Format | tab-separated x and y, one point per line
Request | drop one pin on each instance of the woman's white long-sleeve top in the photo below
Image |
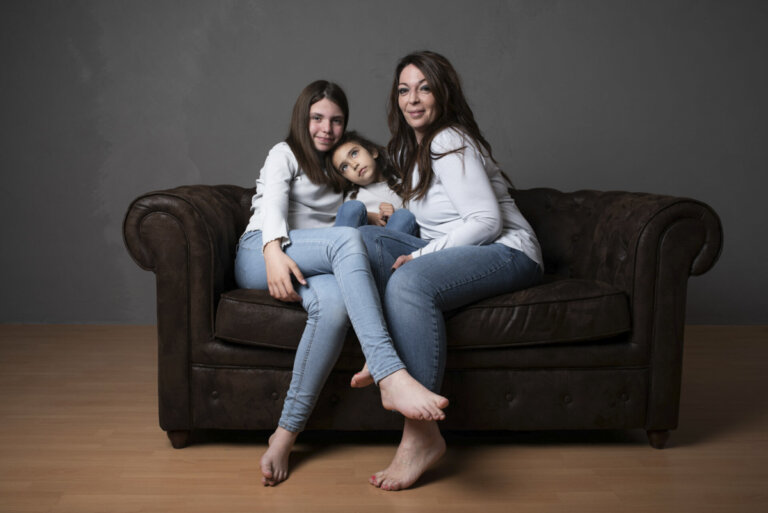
468	201
286	199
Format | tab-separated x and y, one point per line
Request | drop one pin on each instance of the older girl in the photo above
291	248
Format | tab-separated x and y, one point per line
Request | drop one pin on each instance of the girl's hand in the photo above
375	219
280	267
386	210
401	260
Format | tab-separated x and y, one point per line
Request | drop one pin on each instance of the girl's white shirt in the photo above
468	202
286	199
372	195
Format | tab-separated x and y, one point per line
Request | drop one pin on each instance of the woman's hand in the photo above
386	210
280	267
401	260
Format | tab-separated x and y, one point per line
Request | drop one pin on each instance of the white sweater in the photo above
375	194
468	202
286	199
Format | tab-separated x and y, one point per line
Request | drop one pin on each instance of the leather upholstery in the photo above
597	345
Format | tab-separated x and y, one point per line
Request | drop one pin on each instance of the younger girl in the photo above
291	248
373	187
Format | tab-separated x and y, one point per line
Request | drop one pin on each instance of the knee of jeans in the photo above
327	308
403	215
354	206
348	237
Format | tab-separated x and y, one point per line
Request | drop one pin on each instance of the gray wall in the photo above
104	100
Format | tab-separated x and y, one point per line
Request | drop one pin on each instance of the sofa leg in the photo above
658	438
179	439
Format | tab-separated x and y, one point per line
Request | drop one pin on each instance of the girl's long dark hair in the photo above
452	112
298	136
385	170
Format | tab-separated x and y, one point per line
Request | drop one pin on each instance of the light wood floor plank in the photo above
78	433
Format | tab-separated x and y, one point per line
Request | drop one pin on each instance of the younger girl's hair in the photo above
299	139
385	170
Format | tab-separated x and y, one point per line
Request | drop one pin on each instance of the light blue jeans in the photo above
353	213
340	289
417	293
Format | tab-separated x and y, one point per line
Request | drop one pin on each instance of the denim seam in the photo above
289	405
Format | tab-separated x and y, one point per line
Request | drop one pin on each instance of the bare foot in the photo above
362	378
421	446
399	391
274	462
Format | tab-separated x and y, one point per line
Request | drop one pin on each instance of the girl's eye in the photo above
343	168
338	121
354	153
316	118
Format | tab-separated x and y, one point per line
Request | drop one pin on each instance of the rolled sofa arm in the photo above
187	236
683	239
645	244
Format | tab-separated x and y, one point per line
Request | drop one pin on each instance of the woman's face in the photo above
355	163
416	100
326	124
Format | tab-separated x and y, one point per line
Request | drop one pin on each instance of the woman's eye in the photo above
315	118
338	121
425	88
402	91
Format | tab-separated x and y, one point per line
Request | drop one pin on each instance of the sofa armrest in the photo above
645	244
187	236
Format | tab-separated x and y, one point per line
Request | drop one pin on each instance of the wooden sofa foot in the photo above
658	438
179	439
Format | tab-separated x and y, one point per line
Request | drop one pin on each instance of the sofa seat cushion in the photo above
558	310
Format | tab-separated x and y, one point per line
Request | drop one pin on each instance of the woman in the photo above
475	243
291	248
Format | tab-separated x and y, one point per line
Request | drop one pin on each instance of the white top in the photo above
374	194
468	202
286	199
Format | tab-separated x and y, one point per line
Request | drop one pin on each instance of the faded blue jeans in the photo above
417	293
340	289
353	213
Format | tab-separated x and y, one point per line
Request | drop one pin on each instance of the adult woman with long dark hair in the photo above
475	242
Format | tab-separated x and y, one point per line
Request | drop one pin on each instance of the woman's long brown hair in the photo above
298	137
452	112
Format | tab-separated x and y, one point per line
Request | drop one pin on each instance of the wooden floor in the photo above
79	433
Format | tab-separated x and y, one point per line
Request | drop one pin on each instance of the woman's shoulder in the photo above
450	139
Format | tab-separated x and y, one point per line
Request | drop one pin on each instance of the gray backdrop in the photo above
104	100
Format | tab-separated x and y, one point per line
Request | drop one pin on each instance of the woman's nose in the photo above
413	97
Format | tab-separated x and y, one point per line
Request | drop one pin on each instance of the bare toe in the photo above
362	378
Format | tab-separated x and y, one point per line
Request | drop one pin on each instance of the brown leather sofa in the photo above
598	345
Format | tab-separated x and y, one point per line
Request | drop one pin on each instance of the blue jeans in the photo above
416	294
340	289
354	214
